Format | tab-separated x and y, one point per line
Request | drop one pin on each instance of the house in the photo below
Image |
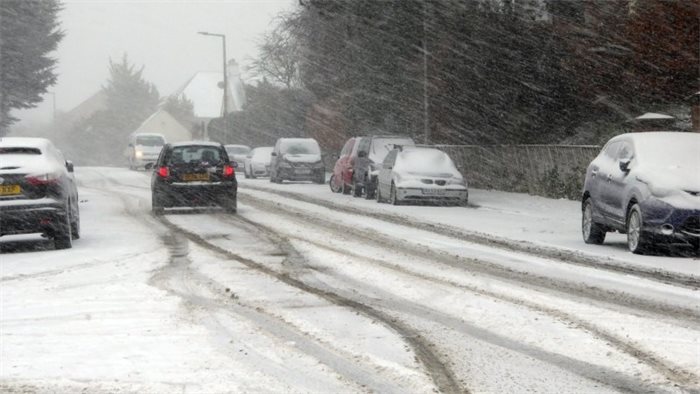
161	122
651	121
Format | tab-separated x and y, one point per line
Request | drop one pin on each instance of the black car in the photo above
38	193
194	174
646	185
297	159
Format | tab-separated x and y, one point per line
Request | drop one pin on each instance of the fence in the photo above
545	170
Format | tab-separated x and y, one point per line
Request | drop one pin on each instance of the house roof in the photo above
652	115
207	97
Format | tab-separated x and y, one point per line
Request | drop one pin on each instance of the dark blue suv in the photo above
646	185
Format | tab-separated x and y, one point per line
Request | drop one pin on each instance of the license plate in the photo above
195	177
302	171
9	190
434	192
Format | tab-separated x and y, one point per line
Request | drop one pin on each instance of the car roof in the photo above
25	142
147	135
296	139
196	143
236	146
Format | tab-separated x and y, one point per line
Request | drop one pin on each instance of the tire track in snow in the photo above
442	376
561	255
665	368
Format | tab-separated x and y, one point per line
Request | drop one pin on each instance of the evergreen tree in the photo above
130	99
29	32
182	109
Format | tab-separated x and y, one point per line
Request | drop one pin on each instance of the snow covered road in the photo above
302	291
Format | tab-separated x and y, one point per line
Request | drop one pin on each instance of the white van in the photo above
143	149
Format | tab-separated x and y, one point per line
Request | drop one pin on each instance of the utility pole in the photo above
53	103
426	119
225	111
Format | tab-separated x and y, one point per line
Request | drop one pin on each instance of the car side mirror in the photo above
69	166
389	167
273	154
625	166
361	154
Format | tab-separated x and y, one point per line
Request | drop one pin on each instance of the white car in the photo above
257	163
237	153
420	175
144	149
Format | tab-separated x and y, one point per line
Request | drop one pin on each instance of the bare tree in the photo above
279	54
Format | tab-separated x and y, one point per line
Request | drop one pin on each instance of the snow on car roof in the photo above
652	115
28	142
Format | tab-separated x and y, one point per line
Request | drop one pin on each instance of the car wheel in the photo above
356	190
636	240
157	204
245	173
321	179
378	195
62	235
393	199
593	233
333	186
75	227
231	205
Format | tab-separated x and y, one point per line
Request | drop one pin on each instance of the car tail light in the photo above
163	172
43	179
229	171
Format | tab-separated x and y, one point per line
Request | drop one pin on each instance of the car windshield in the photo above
381	146
262	154
426	162
194	155
150	140
237	150
436	214
300	147
662	152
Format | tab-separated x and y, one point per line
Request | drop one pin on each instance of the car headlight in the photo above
456	181
138	154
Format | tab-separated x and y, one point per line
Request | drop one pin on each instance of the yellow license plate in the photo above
195	177
8	190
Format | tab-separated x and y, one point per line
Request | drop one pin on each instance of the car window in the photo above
347	147
300	147
390	158
20	151
611	150
150	140
625	152
194	155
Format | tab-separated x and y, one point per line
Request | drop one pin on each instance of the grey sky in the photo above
159	34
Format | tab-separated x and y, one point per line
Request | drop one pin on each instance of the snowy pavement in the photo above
303	292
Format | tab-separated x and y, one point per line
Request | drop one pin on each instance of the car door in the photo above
384	180
607	166
617	180
340	169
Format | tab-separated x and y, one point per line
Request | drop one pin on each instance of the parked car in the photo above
297	159
194	174
359	163
143	149
237	153
646	185
420	175
257	163
38	193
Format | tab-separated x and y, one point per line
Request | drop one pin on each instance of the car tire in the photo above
62	235
331	184
157	204
321	179
378	195
592	232
245	173
636	239
356	190
75	227
393	199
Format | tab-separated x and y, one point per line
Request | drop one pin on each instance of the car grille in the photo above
427	181
691	225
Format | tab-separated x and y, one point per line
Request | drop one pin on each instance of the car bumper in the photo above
196	195
664	220
299	174
455	196
30	216
260	170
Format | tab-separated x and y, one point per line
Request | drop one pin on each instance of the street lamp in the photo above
223	37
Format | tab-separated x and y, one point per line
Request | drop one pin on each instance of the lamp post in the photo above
223	37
